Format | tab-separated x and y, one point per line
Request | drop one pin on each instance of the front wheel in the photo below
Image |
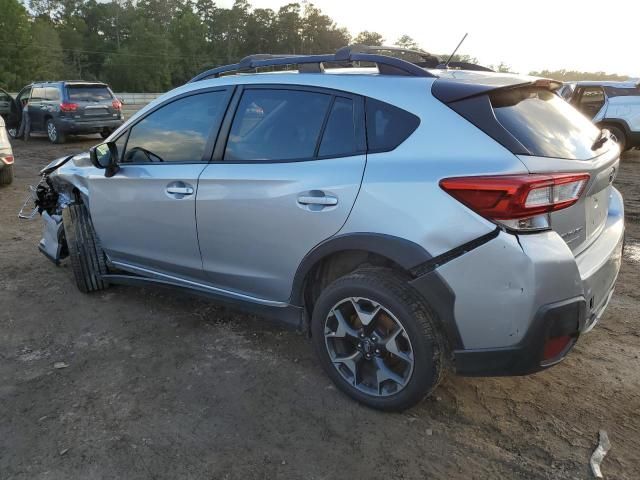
378	340
86	254
54	134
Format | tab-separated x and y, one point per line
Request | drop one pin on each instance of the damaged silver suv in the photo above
412	220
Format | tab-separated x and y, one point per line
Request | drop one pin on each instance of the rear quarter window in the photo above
387	126
544	124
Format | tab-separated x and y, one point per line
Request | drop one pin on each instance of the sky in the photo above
572	35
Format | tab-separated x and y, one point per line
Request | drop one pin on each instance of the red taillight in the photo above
553	347
512	197
7	159
68	107
117	104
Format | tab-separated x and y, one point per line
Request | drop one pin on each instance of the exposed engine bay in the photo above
46	200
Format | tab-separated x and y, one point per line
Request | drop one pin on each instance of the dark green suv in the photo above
66	108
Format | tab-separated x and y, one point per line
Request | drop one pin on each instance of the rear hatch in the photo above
94	101
549	136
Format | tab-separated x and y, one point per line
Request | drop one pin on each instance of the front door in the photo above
9	110
145	215
285	181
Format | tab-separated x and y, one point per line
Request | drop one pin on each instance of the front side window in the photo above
178	131
277	125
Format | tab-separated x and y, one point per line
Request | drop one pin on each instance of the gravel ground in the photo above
163	385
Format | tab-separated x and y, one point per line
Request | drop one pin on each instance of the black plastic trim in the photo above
452	254
290	316
405	253
560	318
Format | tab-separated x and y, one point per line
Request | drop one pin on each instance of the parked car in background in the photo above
64	108
611	105
336	201
6	156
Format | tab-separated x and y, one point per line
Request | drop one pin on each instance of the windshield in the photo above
544	123
89	93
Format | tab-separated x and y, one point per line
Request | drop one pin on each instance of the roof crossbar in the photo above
386	65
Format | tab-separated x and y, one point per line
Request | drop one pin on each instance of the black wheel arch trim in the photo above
415	259
404	252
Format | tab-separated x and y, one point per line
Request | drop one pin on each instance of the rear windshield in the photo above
88	93
544	123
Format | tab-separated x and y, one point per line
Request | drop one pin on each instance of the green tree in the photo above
369	38
14	38
405	41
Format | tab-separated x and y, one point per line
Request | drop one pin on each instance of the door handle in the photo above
179	190
323	200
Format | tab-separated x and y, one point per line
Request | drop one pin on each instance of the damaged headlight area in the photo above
49	202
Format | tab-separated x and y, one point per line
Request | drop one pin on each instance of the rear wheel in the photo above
6	175
378	340
621	138
86	254
54	134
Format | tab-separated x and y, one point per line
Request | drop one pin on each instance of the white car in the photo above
611	105
6	156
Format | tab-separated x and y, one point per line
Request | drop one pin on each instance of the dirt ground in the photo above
163	385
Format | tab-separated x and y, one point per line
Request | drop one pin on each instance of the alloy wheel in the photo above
369	346
52	132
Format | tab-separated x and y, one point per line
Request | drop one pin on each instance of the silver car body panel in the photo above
243	233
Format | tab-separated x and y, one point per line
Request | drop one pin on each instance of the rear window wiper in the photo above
602	138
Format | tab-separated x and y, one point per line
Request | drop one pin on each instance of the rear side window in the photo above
37	93
387	126
88	93
52	93
545	124
340	133
272	125
622	92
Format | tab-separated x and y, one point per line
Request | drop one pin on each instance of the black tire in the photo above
6	175
54	134
390	290
621	138
106	132
87	257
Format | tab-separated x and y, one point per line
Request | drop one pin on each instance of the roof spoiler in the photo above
449	90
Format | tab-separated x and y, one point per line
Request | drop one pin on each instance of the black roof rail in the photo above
425	59
465	66
358	53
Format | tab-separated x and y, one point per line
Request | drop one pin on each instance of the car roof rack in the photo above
464	66
387	65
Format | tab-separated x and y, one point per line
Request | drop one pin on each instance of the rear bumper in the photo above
70	125
513	297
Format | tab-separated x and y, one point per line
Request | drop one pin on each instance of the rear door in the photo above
145	215
37	107
94	101
284	181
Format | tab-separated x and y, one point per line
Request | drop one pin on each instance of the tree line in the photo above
154	45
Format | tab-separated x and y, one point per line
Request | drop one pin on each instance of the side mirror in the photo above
105	157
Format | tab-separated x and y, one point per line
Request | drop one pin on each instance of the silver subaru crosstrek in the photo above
412	220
